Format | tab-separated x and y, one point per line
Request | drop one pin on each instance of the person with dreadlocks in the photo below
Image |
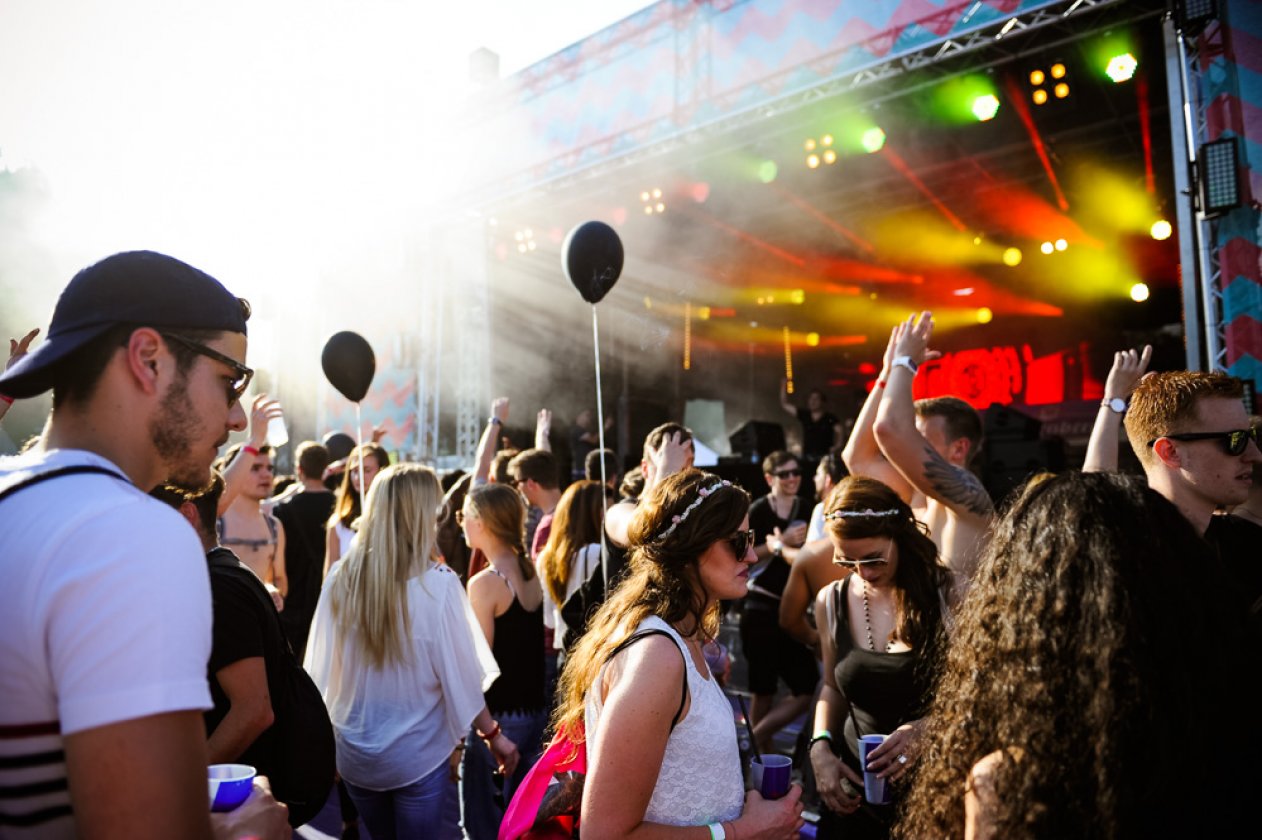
883	625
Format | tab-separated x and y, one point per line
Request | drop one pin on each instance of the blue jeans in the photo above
423	810
484	796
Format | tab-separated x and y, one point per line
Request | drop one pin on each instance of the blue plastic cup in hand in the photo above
230	785
770	774
875	789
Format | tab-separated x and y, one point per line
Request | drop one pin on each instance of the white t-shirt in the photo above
815	530
393	726
586	562
105	616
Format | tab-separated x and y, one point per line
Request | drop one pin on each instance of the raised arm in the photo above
280	578
789	408
861	454
907	449
237	474
1128	368
18	347
490	435
543	430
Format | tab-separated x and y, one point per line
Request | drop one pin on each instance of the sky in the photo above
257	138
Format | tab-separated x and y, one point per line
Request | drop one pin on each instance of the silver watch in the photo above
1117	405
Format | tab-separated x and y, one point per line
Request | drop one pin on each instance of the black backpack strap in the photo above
58	473
632	639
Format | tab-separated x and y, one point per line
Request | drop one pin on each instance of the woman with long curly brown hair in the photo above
656	759
882	629
1085	690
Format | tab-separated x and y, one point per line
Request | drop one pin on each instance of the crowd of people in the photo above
1080	659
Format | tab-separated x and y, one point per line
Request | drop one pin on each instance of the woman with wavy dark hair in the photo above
661	741
1084	692
883	627
572	552
508	602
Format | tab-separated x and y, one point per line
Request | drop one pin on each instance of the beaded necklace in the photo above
867	623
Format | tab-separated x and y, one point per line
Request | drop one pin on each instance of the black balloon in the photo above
592	259
349	364
339	445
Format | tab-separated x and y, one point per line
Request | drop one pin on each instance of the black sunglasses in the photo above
1234	442
741	542
788	474
243	373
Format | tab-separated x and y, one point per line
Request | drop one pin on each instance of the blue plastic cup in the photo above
230	785
770	773
875	790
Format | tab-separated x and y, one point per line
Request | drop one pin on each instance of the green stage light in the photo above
1121	68
873	140
985	107
767	171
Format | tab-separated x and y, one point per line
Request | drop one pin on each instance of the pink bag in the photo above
546	803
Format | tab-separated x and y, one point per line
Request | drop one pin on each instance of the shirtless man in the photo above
256	537
930	444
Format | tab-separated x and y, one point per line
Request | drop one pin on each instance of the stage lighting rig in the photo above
1218	168
820	151
652	201
1121	68
1055	77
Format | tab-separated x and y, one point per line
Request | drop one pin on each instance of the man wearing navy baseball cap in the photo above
105	614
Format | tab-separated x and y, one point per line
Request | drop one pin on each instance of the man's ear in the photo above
189	511
769	478
1167	453
959	450
145	354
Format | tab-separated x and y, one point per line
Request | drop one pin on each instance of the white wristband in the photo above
717	832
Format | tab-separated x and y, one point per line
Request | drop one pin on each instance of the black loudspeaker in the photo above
742	473
757	439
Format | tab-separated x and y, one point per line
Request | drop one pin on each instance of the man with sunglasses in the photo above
778	521
1194	439
105	616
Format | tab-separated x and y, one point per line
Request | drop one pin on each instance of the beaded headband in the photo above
702	494
866	512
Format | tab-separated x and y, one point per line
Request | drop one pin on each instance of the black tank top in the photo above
885	690
518	651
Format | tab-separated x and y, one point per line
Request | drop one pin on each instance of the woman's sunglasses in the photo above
1234	442
741	542
847	563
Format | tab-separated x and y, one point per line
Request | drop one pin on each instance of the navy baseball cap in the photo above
136	287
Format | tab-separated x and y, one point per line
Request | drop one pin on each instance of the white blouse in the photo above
395	725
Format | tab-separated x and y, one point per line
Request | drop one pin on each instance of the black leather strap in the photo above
630	640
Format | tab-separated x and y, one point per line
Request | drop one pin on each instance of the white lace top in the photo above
700	780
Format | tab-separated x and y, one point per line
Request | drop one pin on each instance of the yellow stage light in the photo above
812	339
1058	71
1139	292
1040	96
812	161
984	315
809	145
1047	247
797	297
648	210
1061	90
657	193
703	312
1061	244
644	196
659	207
1012	257
1037	77
1161	230
830	156
827	140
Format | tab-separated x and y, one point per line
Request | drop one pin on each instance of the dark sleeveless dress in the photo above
885	690
518	651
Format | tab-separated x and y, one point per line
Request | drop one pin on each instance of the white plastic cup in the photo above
277	434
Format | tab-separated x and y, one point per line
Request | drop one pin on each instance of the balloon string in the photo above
600	432
359	444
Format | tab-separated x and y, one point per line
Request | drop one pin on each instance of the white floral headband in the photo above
702	494
866	512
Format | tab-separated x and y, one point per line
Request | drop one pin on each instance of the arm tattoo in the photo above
956	486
